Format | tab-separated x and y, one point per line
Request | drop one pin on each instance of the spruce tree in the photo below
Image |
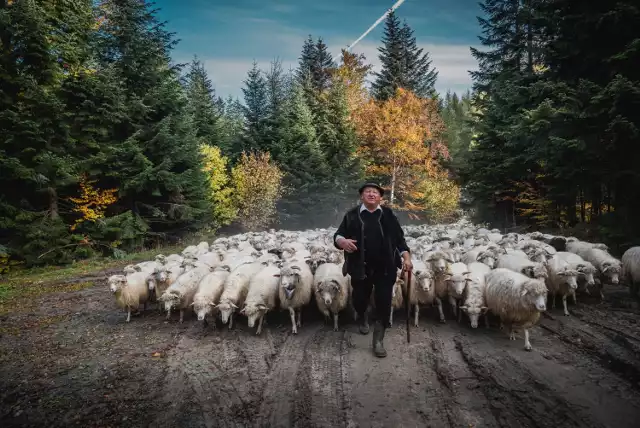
203	105
255	110
321	67
159	172
404	65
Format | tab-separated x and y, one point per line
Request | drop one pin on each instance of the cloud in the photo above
453	61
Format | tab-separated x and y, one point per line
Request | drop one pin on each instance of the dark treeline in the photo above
557	116
108	147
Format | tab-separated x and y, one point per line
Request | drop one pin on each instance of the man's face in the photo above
370	196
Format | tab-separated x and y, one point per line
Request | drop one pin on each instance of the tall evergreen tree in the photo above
404	65
204	106
306	60
255	110
159	171
321	67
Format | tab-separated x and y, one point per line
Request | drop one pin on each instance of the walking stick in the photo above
407	305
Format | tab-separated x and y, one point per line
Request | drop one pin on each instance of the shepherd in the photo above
374	245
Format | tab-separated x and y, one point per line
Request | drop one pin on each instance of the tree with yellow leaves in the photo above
257	182
352	73
221	191
401	137
92	203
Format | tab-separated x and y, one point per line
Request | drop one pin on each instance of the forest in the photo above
109	147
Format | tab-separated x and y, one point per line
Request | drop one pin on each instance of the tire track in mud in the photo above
203	372
280	396
548	387
470	407
614	349
320	382
402	389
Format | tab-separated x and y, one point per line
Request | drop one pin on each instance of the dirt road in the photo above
73	361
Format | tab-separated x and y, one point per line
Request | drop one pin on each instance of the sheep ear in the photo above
261	306
213	305
524	292
295	267
277	275
234	305
466	273
484	309
464	307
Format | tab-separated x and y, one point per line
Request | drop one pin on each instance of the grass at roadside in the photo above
30	283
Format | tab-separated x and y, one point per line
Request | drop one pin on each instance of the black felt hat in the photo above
374	185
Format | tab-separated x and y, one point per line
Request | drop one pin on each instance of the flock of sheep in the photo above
475	269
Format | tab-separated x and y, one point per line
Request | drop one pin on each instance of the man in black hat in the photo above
375	249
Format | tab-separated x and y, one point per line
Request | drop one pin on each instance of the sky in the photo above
228	35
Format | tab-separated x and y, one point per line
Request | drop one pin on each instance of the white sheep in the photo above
210	258
474	300
130	291
181	292
562	280
608	266
161	278
524	266
631	269
208	294
586	270
423	290
235	290
296	288
456	281
262	295
397	299
516	299
331	290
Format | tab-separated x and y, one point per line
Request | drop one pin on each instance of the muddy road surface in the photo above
71	360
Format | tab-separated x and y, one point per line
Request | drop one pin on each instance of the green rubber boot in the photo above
378	337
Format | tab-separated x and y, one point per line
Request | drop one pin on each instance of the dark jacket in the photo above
393	235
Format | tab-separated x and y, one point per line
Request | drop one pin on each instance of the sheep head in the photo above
611	271
202	308
328	290
253	312
424	279
225	309
456	283
534	293
170	299
487	257
116	282
474	312
289	280
570	277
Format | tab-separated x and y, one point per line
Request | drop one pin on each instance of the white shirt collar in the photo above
363	207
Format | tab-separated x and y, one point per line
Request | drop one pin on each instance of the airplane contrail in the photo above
375	24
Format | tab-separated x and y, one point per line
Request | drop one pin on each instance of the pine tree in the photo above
321	67
232	126
306	60
255	110
203	105
277	89
404	65
159	170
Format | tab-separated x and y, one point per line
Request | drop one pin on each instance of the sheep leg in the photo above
169	314
144	306
416	314
512	332
573	295
486	320
553	301
128	313
335	322
459	313
439	303
300	317
259	330
391	317
527	344
564	304
231	320
292	313
181	315
454	305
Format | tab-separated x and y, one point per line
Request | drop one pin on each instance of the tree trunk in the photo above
394	173
53	203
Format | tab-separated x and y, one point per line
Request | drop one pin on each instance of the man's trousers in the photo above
382	286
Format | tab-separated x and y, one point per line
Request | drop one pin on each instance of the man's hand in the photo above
406	262
348	245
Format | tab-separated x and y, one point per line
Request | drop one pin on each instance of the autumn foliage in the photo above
257	182
92	203
402	144
214	165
